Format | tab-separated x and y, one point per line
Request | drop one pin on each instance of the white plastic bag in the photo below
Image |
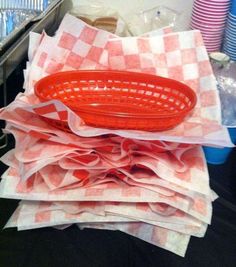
100	16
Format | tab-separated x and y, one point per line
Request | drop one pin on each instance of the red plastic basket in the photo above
119	99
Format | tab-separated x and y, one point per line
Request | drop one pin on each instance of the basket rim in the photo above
129	115
138	77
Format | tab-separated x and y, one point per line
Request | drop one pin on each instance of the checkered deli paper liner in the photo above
179	55
150	209
136	182
41	217
177	164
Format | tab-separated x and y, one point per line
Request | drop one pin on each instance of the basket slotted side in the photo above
121	100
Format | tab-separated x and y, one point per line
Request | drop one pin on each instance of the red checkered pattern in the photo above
180	56
198	206
76	45
86	160
52	110
191	131
33	215
168	191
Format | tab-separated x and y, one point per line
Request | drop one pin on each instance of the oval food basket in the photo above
119	99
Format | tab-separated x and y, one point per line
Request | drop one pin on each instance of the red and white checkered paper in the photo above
180	210
71	211
29	107
91	181
170	165
36	189
39	216
35	214
76	45
180	56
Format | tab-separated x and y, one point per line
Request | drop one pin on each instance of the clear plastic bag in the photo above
12	19
151	19
225	73
36	5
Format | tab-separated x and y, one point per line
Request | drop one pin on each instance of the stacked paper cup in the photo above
229	46
209	16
